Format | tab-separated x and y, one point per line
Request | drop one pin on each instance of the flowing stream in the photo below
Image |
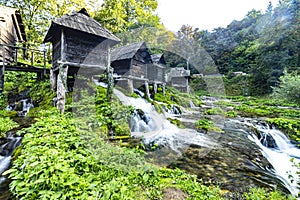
7	147
247	154
279	151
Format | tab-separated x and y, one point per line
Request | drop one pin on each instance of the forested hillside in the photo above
263	44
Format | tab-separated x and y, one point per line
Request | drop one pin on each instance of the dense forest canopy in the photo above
262	44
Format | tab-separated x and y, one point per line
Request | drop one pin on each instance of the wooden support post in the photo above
44	72
53	80
32	58
110	78
155	87
164	89
147	89
62	87
130	85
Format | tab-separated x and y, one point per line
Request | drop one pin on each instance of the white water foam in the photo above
280	157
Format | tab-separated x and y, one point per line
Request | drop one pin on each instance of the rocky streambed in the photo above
232	159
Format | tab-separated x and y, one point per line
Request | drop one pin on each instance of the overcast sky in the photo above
206	14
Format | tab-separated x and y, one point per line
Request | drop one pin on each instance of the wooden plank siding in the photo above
155	73
92	50
11	32
139	69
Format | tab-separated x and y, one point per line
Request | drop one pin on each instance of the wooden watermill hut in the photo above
130	65
11	32
156	71
78	43
178	78
134	67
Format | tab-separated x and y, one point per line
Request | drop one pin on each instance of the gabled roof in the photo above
80	21
17	21
158	58
127	52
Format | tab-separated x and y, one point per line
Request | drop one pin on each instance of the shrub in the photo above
288	89
6	124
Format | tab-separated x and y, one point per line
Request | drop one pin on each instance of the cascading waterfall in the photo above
266	156
279	151
23	106
156	130
6	150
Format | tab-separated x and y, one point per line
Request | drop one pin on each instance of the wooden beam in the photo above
19	33
62	49
79	65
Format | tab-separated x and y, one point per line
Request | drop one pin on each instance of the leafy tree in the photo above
289	88
122	15
37	14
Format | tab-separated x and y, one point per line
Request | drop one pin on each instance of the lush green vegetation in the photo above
65	157
207	125
58	161
6	124
174	97
288	89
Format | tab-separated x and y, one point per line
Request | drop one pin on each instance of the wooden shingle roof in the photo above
80	21
158	58
127	52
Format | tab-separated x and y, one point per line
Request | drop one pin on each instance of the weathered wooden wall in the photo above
8	32
91	51
155	73
180	81
138	69
56	53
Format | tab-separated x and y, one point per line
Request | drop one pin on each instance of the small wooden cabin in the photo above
131	60
156	71
135	67
179	78
78	42
11	31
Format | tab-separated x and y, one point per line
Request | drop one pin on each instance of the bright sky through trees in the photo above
206	14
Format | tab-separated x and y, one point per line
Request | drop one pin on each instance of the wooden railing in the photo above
14	55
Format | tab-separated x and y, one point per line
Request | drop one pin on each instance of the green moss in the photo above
214	111
207	125
63	162
231	114
176	122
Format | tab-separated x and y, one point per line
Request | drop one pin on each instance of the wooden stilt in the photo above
1	79
53	80
164	89
62	87
147	90
130	85
155	88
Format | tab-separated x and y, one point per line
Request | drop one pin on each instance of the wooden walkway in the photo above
14	58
